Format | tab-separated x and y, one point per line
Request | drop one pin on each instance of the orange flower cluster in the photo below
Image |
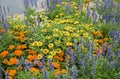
21	36
18	52
2	30
56	65
11	73
31	57
11	47
57	72
12	61
33	69
4	53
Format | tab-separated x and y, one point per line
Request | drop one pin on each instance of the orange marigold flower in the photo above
5	61
61	53
18	52
106	39
10	77
56	57
94	32
28	61
12	72
100	41
33	69
19	67
9	63
61	58
63	71
100	34
4	53
13	60
2	30
57	72
87	1
31	57
23	46
19	47
56	65
100	50
11	47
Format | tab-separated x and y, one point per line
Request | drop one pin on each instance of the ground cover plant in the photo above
69	40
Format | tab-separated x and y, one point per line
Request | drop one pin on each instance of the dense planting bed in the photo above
69	40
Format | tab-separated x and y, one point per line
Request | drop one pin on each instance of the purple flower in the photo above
118	6
4	11
47	4
73	72
6	76
80	60
35	3
51	65
88	11
8	10
42	4
113	64
66	8
6	27
32	78
1	72
45	73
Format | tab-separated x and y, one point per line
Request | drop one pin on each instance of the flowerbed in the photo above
64	42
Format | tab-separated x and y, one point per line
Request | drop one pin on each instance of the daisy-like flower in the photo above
39	56
50	45
45	51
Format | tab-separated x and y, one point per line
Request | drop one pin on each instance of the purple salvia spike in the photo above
32	2
1	72
47	4
118	6
35	3
6	27
51	65
8	10
7	76
45	73
32	78
18	63
3	19
42	5
4	11
113	20
88	11
66	8
113	64
60	2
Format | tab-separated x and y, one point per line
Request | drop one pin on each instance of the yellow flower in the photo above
40	43
50	45
57	5
44	30
45	51
39	56
58	41
76	22
8	16
53	53
48	37
59	50
55	30
69	44
50	56
55	35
